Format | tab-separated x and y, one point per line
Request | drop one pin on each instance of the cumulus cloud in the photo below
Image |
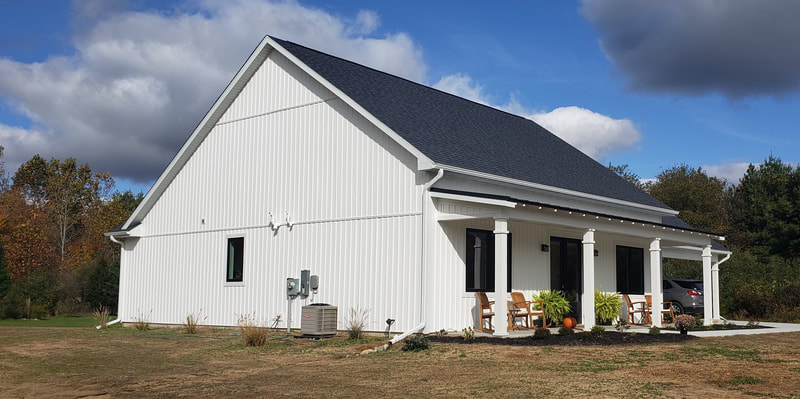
139	81
737	48
595	134
732	172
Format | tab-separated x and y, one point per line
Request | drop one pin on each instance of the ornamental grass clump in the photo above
252	333
191	326
356	323
102	316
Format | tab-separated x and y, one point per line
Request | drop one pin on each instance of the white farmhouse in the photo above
401	198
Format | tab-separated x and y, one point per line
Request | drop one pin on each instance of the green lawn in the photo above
54	321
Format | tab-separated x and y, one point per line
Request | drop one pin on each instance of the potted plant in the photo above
606	306
683	322
555	305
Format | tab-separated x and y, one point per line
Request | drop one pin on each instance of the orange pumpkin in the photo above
570	322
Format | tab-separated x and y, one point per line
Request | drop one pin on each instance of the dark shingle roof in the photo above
457	132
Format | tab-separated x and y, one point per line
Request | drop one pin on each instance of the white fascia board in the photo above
202	130
557	190
422	159
478	200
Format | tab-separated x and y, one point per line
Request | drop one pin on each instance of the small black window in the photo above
235	259
630	270
480	261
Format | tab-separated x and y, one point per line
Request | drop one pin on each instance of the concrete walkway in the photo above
773	328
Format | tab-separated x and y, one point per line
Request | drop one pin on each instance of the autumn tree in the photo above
700	199
67	193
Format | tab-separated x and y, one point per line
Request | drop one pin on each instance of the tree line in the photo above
54	258
760	219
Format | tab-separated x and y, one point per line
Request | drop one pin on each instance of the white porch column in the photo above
715	314
500	276
656	286
708	300
587	298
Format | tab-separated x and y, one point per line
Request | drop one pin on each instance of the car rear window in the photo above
690	285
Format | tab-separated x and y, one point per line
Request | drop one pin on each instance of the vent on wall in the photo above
318	320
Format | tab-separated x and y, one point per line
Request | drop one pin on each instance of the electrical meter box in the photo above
304	283
292	287
314	283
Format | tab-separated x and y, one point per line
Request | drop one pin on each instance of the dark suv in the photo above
686	295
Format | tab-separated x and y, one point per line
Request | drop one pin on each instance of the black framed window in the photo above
480	261
235	259
630	270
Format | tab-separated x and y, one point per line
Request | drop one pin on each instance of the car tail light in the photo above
694	293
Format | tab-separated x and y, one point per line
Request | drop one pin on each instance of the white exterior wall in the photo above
285	145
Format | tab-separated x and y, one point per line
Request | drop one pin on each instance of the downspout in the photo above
423	261
117	320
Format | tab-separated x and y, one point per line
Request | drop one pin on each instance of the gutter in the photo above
117	320
426	190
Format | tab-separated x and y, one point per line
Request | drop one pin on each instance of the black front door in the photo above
565	270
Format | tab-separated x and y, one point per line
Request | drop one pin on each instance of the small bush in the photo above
102	316
684	322
598	330
192	321
252	333
416	343
654	331
541	333
356	323
565	331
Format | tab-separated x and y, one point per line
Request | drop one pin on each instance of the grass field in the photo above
124	362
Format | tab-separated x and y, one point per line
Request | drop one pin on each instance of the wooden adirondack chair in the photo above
526	310
486	310
635	308
666	308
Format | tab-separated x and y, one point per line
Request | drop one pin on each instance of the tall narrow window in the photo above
630	270
480	261
235	259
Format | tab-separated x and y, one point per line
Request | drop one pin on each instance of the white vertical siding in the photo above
284	145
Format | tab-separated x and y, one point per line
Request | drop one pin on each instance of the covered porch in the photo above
568	249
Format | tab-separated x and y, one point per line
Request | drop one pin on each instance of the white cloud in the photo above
732	172
138	82
595	134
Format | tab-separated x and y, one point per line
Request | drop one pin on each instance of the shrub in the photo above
684	322
654	331
606	306
598	330
541	333
565	331
192	321
555	305
252	333
356	323
416	343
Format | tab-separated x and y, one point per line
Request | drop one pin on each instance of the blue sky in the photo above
121	84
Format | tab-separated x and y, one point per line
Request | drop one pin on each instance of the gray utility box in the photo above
318	319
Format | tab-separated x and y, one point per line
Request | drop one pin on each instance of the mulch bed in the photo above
577	339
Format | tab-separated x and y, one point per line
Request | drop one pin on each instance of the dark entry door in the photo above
565	270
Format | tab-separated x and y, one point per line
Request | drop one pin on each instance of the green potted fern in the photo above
555	305
606	306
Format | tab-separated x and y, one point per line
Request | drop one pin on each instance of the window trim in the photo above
233	283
